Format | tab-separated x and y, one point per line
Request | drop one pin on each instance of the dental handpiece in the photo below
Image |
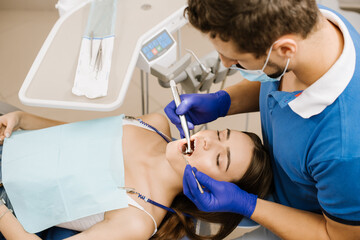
183	121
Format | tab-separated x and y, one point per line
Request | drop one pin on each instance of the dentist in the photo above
302	65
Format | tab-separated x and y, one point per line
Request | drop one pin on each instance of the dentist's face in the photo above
230	55
223	155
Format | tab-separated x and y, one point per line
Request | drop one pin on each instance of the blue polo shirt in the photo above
314	136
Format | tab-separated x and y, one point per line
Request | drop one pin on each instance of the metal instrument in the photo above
183	121
199	185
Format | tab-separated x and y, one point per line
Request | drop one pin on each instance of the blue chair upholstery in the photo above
56	233
246	222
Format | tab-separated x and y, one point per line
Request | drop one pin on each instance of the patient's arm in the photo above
127	223
11	228
22	120
30	122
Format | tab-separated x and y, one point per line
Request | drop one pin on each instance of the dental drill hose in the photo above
183	121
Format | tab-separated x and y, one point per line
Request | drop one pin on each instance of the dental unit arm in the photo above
197	76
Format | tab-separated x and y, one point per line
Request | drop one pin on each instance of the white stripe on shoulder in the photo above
133	203
135	122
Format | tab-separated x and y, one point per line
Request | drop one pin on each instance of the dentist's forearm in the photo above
290	223
244	97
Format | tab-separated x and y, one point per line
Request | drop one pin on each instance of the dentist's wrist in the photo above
251	205
224	101
246	204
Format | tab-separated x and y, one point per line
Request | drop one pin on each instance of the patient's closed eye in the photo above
218	156
225	136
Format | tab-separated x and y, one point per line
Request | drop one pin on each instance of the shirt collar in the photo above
328	88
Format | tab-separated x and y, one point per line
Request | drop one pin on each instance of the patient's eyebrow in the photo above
228	150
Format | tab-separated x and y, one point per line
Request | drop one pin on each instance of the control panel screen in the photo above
157	46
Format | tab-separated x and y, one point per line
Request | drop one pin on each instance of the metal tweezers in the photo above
98	58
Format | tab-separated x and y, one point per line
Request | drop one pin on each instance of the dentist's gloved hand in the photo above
218	196
199	108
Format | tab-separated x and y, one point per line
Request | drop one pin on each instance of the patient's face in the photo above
223	155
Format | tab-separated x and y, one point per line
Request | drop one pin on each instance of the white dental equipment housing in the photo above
51	76
160	49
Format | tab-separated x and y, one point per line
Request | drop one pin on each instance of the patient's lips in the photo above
184	147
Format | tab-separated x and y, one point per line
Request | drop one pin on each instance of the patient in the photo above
155	167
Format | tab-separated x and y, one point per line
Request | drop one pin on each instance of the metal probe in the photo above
197	182
183	121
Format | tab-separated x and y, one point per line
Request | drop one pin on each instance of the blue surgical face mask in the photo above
259	75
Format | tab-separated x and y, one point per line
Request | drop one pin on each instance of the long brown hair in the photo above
253	25
256	180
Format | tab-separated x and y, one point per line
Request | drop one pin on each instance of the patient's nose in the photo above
211	144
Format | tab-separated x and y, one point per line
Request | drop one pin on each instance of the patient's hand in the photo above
8	123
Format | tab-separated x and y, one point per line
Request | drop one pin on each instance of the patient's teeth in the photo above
183	148
192	145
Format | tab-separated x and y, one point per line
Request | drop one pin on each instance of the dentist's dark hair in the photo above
253	25
256	180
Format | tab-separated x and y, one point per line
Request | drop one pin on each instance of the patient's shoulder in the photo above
130	223
159	121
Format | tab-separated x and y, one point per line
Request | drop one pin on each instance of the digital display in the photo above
157	45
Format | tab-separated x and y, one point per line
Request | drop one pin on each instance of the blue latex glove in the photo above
218	196
199	108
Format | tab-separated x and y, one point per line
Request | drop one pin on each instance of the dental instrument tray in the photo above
51	77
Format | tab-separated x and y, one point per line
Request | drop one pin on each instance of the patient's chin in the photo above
173	149
170	147
175	157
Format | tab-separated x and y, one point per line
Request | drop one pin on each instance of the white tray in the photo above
51	77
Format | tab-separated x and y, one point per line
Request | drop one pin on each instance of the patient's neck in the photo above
171	178
146	166
168	181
